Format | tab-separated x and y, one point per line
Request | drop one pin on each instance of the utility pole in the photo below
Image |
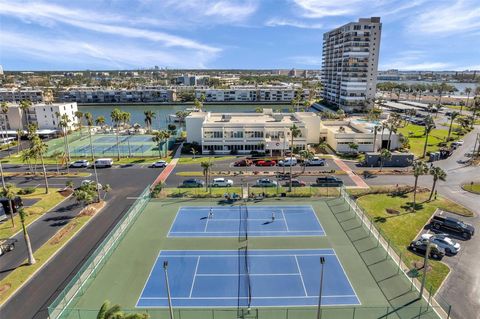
165	266
425	266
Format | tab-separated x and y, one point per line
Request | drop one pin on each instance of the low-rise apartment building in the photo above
18	95
100	95
252	94
242	133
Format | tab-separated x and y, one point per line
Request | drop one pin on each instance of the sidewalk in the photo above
359	182
162	177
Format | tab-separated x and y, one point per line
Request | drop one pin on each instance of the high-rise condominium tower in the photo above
350	63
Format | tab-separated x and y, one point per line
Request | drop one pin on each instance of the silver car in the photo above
442	240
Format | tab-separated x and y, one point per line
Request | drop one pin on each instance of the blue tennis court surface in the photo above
218	278
194	221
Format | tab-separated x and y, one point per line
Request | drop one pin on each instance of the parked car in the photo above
80	164
243	162
456	144
420	247
296	183
192	183
316	161
442	240
90	182
290	161
103	162
452	225
158	164
266	182
222	182
266	163
328	181
7	245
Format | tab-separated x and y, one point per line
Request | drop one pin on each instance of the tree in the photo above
4	108
353	147
19	136
106	189
305	155
198	104
376	129
468	91
31	258
39	149
475	106
393	123
79	117
159	137
89	118
259	109
149	116
384	155
100	121
207	167
429	125
116	116
194	151
25	106
182	115
294	132
341	114
437	174
114	312
64	120
419	168
453	116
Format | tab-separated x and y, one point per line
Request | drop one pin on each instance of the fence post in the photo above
399	262
353	313
386	314
449	310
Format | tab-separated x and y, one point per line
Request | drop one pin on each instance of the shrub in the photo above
26	191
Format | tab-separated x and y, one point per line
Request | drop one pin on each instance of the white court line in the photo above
236	220
226	298
148	278
206	224
251	232
236	275
284	219
301	276
194	277
249	256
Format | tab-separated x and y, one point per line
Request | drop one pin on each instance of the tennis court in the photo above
258	221
256	278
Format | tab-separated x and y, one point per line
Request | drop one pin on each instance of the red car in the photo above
243	162
266	163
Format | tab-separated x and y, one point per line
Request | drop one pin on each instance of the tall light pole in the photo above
425	266
319	310
165	266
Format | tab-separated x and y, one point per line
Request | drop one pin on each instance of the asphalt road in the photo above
33	299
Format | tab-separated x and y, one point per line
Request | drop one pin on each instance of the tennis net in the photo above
243	224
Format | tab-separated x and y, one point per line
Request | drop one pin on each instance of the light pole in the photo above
425	266
319	310
165	266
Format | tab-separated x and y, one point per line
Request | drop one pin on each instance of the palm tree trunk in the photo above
389	139
425	145
118	145
450	129
415	193
44	173
433	189
93	162
11	212
374	139
67	145
18	143
31	258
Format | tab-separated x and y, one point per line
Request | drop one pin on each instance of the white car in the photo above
103	162
316	161
266	182
443	241
291	161
222	182
79	164
89	182
159	164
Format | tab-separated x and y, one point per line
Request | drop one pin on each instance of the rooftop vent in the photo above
278	117
226	117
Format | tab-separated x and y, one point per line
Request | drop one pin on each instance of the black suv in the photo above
452	225
420	247
328	181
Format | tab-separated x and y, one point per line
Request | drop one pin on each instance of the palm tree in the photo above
24	106
39	148
89	118
125	118
114	312
429	125
207	167
181	115
116	116
31	258
106	188
419	168
19	136
437	174
453	116
100	121
4	107
353	147
198	104
393	123
79	116
294	132
194	152
376	129
305	155
468	91
10	195
159	137
64	120
476	106
384	155
149	116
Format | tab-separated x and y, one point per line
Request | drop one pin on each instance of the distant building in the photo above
292	73
100	95
267	93
350	64
191	80
1	70
225	133
17	95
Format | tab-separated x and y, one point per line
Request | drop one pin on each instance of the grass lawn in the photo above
401	229
198	160
472	188
46	202
49	174
20	275
417	138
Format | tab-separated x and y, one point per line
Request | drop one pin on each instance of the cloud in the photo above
306	60
455	17
124	55
47	14
410	60
230	10
278	22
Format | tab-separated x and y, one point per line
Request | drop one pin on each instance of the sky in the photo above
230	34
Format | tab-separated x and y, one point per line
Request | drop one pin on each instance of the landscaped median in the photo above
200	159
389	209
472	188
20	275
16	159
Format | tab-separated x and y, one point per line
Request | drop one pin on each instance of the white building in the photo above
100	95
17	95
45	115
350	64
245	132
278	93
